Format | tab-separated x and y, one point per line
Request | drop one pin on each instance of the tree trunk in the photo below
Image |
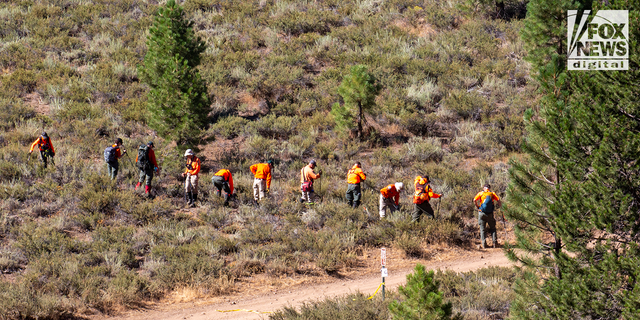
359	121
557	248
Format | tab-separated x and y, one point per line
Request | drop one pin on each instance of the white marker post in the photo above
383	271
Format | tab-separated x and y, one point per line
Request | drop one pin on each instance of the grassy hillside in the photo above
454	87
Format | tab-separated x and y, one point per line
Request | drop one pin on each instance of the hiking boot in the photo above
187	200
190	199
226	200
137	185
195	198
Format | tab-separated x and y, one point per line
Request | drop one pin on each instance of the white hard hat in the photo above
399	186
189	152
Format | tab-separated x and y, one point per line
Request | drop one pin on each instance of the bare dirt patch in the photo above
260	295
423	29
35	101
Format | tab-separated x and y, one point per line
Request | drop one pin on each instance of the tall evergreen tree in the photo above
358	90
178	100
576	202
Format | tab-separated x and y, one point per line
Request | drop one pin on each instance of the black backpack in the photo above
487	205
143	157
46	144
110	154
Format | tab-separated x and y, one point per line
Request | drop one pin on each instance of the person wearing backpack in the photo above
262	179
191	177
390	198
46	148
421	197
222	180
111	156
484	202
146	162
354	192
307	176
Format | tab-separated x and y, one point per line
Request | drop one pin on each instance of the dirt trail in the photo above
294	296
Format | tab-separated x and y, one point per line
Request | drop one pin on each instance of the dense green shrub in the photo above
422	298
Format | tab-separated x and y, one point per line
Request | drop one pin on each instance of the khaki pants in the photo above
386	203
191	184
259	189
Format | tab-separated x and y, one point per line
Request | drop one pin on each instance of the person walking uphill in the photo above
484	202
354	192
223	180
111	156
262	179
191	177
46	148
390	197
146	162
307	176
421	197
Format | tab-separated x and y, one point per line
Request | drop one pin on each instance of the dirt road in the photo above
293	296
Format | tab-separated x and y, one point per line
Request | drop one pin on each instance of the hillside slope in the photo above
454	86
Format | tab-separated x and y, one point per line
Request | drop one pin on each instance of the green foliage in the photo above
358	90
422	300
572	205
178	99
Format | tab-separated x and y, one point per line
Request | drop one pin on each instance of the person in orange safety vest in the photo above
484	202
46	148
390	197
262	179
354	192
423	193
223	180
307	176
191	174
117	151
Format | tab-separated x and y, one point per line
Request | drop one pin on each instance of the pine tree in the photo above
422	298
358	90
178	100
580	185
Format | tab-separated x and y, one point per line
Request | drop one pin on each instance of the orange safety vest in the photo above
226	174
423	191
42	144
355	175
193	166
483	195
391	192
262	171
